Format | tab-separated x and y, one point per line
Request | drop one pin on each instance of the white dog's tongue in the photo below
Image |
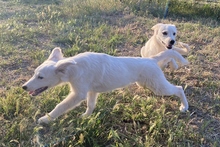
31	92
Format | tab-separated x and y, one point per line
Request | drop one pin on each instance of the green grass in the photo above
30	29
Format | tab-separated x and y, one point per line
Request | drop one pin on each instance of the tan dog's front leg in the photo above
70	102
173	65
183	51
171	62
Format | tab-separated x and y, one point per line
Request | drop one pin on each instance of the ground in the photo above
131	116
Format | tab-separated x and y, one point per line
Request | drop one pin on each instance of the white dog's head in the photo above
166	33
47	74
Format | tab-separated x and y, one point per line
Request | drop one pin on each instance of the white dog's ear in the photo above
56	54
61	67
156	27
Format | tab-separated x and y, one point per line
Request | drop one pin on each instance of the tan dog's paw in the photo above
184	45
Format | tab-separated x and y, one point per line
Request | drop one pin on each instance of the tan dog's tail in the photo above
167	55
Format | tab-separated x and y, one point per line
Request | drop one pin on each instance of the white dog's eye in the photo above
39	77
164	33
174	34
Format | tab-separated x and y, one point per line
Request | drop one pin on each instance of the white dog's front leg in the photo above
91	102
71	101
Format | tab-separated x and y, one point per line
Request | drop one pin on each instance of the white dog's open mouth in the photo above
38	91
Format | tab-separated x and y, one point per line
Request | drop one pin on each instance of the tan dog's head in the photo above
47	74
166	34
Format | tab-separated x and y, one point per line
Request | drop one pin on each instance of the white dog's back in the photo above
99	70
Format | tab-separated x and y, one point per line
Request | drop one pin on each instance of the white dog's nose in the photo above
24	87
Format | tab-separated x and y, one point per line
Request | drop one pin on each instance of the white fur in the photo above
160	41
92	73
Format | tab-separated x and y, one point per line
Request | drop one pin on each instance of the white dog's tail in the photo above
167	55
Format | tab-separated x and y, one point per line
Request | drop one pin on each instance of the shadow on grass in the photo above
39	2
177	9
194	10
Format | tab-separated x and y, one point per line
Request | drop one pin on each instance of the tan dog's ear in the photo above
173	25
61	67
56	54
156	27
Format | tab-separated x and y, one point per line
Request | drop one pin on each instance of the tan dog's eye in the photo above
164	33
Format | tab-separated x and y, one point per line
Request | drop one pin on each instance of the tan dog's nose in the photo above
172	42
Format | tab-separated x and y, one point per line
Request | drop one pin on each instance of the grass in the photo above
127	117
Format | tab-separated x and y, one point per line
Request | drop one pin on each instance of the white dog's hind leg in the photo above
70	102
169	90
184	104
91	102
161	86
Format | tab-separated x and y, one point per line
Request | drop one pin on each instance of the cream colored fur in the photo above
92	73
164	36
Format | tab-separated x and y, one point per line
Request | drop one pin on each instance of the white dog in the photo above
163	39
92	73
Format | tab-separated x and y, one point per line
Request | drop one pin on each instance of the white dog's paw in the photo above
45	119
85	115
183	108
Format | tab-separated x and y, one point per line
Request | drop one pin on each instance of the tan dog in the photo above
163	39
89	74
